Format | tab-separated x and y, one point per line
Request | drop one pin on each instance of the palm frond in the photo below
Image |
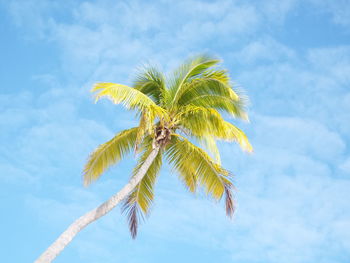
188	159
214	90
192	68
138	203
209	143
131	98
229	203
151	82
146	126
236	108
210	81
200	121
108	154
233	133
186	173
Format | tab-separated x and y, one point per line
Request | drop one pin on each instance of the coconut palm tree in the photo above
176	114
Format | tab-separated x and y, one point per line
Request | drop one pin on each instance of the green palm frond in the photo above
196	167
200	121
131	98
213	89
219	102
187	158
192	68
108	154
146	126
209	143
151	82
233	133
210	81
138	203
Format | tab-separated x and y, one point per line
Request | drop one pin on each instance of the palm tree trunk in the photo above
66	237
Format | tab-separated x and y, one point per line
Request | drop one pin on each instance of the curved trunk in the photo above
66	237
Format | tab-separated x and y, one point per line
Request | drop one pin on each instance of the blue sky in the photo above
292	58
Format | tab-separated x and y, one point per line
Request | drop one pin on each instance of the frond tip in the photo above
133	215
229	202
139	201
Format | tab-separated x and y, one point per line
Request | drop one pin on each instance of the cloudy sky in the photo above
292	58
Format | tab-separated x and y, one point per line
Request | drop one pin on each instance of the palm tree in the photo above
175	115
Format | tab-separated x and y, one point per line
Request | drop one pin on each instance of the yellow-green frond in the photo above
186	173
140	199
236	108
209	143
146	126
187	159
233	133
131	98
210	82
214	90
192	68
151	82
200	121
108	154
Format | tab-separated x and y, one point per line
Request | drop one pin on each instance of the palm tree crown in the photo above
175	114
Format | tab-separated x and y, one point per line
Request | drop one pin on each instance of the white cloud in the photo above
10	174
339	10
333	62
265	50
119	35
44	131
277	11
313	87
345	166
296	135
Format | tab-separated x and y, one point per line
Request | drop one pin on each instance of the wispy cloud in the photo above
339	10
